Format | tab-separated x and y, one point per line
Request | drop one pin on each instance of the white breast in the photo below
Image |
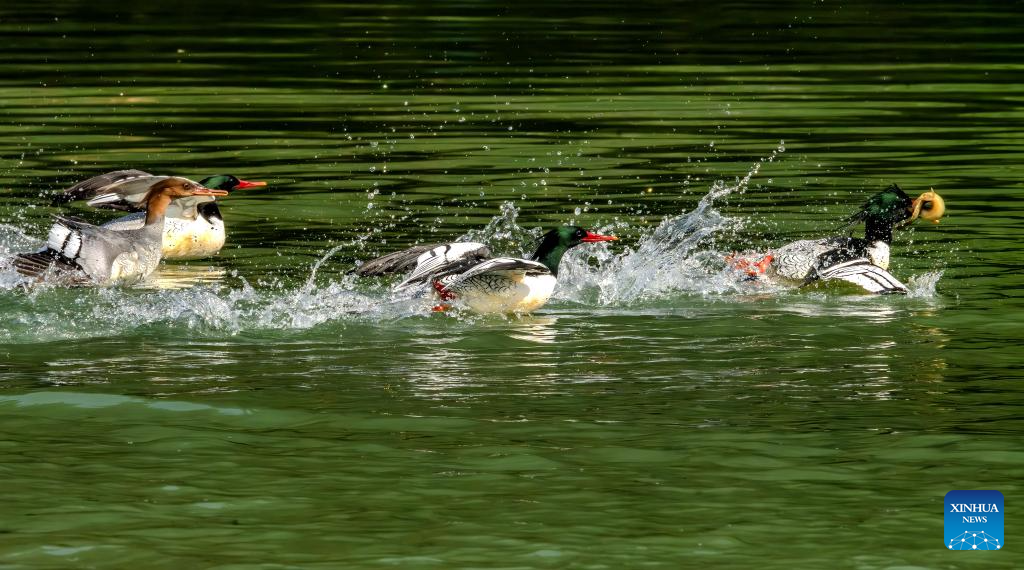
492	293
183	238
192	239
878	253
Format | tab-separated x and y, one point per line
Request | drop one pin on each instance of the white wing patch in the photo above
64	240
442	257
865	275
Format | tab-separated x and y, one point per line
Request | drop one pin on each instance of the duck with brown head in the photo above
193	226
77	253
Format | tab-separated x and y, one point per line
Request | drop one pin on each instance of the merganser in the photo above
465	272
193	227
861	261
77	253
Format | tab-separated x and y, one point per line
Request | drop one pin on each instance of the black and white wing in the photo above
799	259
63	249
504	267
118	190
864	274
74	244
443	260
395	262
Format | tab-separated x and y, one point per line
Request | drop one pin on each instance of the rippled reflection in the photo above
184	276
537	329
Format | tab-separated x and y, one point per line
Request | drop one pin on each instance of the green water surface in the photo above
244	412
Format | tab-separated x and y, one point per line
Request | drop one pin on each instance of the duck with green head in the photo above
861	261
193	227
465	273
78	253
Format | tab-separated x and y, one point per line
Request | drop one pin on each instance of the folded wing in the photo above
507	267
864	274
444	260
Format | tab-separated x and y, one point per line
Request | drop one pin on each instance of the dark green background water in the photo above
241	412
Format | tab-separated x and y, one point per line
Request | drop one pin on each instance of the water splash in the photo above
504	234
924	285
14	240
681	257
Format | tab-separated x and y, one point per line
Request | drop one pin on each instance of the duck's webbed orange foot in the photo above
751	267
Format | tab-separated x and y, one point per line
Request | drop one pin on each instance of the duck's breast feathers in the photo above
862	273
447	259
192	239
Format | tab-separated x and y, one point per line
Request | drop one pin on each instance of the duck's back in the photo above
106	255
795	260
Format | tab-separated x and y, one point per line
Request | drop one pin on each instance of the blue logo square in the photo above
974	520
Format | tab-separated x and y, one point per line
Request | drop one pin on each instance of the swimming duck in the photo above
465	272
861	261
77	253
193	227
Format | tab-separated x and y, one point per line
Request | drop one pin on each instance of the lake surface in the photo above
247	411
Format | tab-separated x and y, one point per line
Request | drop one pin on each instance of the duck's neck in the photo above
876	230
550	252
156	208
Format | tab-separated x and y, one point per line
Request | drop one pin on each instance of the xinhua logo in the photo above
974	520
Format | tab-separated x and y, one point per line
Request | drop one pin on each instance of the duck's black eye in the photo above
926	205
188	186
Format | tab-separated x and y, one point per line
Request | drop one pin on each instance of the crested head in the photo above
568	236
220	182
176	187
160	194
882	213
556	242
892	208
228	182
